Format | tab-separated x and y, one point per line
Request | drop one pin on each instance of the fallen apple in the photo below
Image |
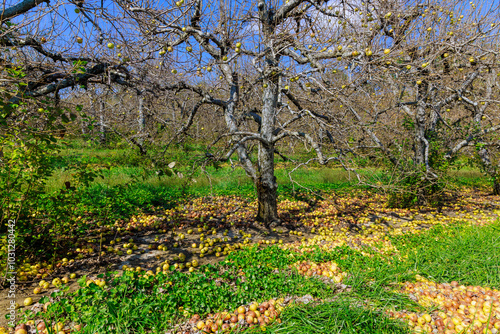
41	326
28	301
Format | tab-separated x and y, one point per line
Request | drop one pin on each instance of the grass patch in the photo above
465	253
336	317
138	303
469	177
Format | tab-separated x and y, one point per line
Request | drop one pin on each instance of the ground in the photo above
359	221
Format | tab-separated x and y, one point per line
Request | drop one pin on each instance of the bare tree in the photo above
252	52
421	82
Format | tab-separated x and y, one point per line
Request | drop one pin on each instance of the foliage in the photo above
165	297
30	136
417	184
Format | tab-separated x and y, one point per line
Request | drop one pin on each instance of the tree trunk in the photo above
267	199
141	121
83	125
496	186
489	168
420	140
421	154
102	128
266	181
267	187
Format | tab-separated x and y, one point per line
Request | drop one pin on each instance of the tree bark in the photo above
102	127
267	186
420	140
489	168
484	153
267	197
141	120
496	186
83	126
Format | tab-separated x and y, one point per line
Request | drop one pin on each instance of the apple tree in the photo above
428	88
261	59
51	50
422	85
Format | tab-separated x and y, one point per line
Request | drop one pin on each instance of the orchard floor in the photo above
169	241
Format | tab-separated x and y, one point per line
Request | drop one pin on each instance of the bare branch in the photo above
20	8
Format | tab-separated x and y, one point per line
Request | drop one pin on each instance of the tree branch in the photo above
20	8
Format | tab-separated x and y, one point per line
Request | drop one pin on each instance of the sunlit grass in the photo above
341	316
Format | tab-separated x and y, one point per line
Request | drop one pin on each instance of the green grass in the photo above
225	178
468	254
136	304
469	177
125	167
336	317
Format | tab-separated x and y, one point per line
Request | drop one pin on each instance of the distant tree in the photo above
49	52
423	84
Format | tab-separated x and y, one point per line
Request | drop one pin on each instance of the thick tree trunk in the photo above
267	200
267	187
496	186
266	181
